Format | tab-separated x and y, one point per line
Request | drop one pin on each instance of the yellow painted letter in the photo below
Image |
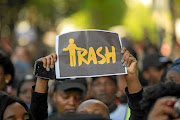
81	56
92	56
103	60
110	54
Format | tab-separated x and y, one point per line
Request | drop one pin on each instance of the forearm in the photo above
39	97
41	85
39	105
133	83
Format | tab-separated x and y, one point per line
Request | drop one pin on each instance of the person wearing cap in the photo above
133	90
69	94
154	66
173	73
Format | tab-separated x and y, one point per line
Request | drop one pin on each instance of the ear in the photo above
8	78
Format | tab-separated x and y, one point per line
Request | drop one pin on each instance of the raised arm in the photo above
134	89
48	63
132	80
39	91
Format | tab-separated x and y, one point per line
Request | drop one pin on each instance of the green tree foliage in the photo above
105	13
176	4
138	20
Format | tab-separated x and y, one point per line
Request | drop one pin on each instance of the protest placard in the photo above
88	53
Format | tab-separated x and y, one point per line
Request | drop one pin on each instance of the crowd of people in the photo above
142	94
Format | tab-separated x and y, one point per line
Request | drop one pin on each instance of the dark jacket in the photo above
39	105
134	105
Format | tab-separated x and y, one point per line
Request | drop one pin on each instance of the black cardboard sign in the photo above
88	53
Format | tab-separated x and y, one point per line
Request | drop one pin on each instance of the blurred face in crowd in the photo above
153	75
25	91
15	111
93	107
2	81
104	89
173	75
67	101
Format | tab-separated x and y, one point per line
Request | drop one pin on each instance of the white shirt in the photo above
119	113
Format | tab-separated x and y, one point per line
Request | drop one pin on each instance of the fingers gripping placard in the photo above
40	71
85	53
88	53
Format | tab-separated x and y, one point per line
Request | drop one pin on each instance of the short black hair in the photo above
152	93
7	65
6	99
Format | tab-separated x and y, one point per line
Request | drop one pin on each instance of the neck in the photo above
112	108
111	105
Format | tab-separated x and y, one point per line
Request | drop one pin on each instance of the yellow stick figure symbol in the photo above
92	55
72	52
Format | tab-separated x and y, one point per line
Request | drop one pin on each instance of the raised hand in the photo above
131	78
129	61
49	61
161	111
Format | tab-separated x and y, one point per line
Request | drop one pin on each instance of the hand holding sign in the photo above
86	53
49	61
129	61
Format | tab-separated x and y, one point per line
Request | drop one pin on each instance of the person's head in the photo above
93	106
69	94
6	72
173	73
24	88
153	67
153	93
13	108
77	116
104	89
71	41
